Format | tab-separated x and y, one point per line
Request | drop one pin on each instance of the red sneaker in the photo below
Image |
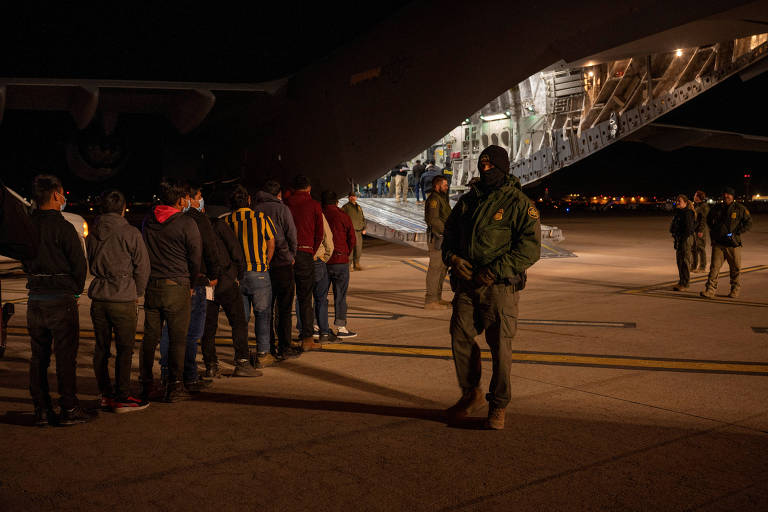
105	403
129	404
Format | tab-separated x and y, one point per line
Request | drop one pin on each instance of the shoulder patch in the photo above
433	203
733	215
533	212
499	214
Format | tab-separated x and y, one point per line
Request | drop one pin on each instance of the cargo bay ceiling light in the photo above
678	53
495	117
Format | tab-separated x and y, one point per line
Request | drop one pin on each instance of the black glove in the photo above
462	267
484	277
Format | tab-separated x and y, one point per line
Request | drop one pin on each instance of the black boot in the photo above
175	392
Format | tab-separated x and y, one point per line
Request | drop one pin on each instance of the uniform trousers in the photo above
493	310
683	256
699	260
721	254
435	276
357	251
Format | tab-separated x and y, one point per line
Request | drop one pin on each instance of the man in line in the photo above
338	264
323	254
727	221
175	250
119	263
401	183
429	175
701	232
491	237
210	269
357	216
256	234
418	171
227	296
269	202
56	280
308	217
436	213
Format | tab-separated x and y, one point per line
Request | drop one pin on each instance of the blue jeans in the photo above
381	186
338	277
418	187
256	288
194	333
320	299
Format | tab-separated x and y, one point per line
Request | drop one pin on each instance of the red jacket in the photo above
308	217
343	233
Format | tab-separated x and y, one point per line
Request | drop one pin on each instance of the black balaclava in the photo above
495	176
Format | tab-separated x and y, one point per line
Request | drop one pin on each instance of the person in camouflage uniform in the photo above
727	221
491	238
436	212
701	232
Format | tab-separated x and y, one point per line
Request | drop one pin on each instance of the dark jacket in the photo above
497	229
173	244
702	210
356	215
59	268
683	224
308	217
285	228
210	264
724	219
436	212
428	176
231	256
118	260
418	170
344	239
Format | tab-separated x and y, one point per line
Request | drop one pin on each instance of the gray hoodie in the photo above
285	238
118	260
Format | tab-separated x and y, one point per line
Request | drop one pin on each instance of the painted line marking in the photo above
558	359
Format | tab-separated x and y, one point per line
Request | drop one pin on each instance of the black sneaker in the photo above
328	338
292	352
195	386
175	392
129	404
73	416
213	371
45	416
343	332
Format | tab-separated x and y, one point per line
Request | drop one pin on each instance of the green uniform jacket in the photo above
499	230
723	219
355	213
702	210
436	212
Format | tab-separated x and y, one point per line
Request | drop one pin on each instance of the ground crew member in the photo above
355	213
727	222
701	233
436	213
491	237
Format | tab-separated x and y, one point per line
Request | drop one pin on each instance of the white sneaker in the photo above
342	332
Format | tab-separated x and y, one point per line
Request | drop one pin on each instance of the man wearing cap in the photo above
491	237
436	212
727	221
355	213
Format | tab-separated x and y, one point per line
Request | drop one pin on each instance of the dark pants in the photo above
231	302
54	326
492	309
338	275
683	256
194	333
720	255
165	302
699	261
119	317
283	291
304	274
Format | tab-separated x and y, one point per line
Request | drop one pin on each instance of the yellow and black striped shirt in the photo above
252	230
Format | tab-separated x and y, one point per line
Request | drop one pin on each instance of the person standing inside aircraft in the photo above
701	232
355	213
429	175
401	183
338	265
682	228
727	221
175	251
308	217
268	201
491	237
56	279
436	213
418	190
119	263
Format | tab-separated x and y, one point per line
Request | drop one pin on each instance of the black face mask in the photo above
492	178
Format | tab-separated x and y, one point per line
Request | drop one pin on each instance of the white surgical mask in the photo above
186	208
202	205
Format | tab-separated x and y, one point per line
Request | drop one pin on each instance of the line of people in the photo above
188	267
693	224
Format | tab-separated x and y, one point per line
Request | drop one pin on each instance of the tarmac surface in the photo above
626	396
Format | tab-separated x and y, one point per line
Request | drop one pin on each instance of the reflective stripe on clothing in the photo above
252	231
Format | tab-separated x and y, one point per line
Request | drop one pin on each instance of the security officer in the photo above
355	213
727	222
491	237
436	212
701	233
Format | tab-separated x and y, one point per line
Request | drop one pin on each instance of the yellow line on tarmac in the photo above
566	359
